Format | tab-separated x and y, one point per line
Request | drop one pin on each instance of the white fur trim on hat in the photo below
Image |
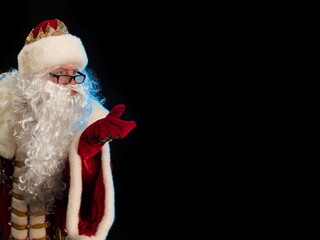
51	52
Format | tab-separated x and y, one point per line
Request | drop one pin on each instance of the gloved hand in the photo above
106	129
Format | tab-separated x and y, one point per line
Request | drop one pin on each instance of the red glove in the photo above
106	129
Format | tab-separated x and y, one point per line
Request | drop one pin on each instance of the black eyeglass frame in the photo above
71	77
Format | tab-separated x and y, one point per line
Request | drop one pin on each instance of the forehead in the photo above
67	67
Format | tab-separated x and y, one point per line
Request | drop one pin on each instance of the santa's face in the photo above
67	75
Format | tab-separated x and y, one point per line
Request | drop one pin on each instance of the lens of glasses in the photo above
64	79
79	79
67	79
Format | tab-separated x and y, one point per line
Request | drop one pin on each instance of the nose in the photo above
73	81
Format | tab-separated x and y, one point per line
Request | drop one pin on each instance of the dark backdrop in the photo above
126	47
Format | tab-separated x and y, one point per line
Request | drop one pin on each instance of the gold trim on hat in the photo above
50	31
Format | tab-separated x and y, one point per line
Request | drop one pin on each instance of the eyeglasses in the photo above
66	79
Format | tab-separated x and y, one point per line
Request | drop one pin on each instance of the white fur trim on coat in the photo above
75	192
7	142
49	53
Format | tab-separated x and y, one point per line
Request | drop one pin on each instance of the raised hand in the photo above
106	129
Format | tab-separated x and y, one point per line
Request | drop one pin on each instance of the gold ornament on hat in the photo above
49	31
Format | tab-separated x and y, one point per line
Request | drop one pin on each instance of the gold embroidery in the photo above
49	31
58	235
17	226
18	213
23	214
24	227
41	225
16	195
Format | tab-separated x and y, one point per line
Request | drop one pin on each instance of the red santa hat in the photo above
48	46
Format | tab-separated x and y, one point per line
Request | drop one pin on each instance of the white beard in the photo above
49	118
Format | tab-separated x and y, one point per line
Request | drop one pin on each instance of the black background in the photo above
128	48
191	78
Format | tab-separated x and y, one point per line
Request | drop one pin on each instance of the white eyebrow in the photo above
66	70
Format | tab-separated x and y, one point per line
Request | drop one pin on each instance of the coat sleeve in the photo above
90	209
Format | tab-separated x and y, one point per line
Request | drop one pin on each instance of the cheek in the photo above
53	79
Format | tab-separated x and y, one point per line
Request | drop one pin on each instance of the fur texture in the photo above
75	192
8	150
76	186
7	142
50	52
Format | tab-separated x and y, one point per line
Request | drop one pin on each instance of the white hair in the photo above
48	117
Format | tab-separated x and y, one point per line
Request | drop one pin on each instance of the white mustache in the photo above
77	88
51	86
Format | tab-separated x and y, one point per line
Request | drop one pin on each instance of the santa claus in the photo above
55	167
